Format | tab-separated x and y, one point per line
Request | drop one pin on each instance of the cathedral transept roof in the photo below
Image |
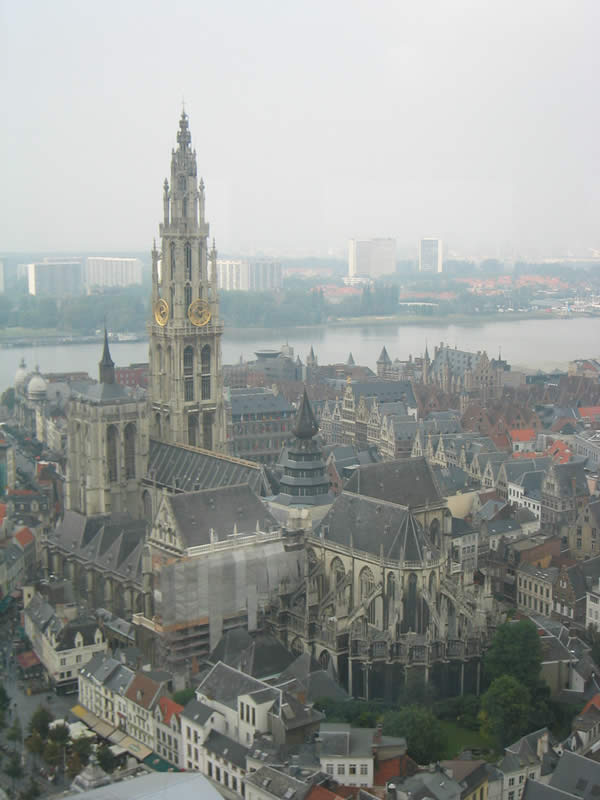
406	481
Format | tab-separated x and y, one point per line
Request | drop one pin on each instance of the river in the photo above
536	344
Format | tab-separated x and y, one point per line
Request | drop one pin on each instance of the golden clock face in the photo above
199	313
161	311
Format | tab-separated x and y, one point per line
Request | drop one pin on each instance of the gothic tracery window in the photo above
112	441
172	259
193	430
205	371
188	261
130	436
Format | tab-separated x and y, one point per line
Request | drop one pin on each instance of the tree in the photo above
516	650
425	738
106	758
40	721
52	753
14	769
59	734
15	733
505	710
4	699
83	748
183	696
32	791
35	744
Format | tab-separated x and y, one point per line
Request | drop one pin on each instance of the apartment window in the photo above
210	769
532	776
195	754
253	717
341	769
352	769
78	659
226	778
329	769
511	781
189	750
511	796
218	773
234	783
241	710
63	662
521	778
364	769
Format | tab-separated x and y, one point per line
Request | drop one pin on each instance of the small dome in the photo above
20	374
37	386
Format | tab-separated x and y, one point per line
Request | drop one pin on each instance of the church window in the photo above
172	298
188	261
130	435
193	430
205	370
188	361
172	260
159	358
367	583
200	261
188	384
112	438
337	571
188	295
207	431
181	183
157	426
185	207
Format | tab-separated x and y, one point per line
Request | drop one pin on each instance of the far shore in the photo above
29	337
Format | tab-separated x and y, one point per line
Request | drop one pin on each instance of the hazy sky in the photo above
314	121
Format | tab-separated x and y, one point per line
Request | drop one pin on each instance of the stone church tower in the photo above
185	376
107	445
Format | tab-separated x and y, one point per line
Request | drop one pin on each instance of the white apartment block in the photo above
431	255
55	277
103	271
249	276
64	642
371	258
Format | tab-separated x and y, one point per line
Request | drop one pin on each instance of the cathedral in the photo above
116	438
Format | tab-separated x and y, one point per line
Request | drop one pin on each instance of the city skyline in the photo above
405	123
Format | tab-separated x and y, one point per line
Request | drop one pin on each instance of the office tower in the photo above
430	255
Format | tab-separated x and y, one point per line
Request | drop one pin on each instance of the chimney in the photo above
377	734
543	744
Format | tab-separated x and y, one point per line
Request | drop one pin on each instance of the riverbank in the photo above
25	337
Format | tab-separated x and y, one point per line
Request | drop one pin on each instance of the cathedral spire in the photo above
107	365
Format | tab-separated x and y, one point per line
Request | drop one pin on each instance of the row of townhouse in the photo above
565	592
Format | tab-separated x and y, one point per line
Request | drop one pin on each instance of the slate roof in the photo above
340	739
314	680
196	513
112	542
570	474
102	393
407	482
371	525
577	775
277	784
452	480
260	654
534	790
45	619
245	402
523	753
189	469
225	684
305	424
198	712
226	748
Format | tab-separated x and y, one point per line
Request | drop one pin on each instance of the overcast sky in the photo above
314	121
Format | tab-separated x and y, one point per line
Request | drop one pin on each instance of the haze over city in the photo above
314	123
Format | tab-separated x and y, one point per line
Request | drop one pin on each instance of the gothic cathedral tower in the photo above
186	384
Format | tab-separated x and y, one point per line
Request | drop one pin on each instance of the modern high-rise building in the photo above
55	277
430	255
371	258
249	276
107	272
186	376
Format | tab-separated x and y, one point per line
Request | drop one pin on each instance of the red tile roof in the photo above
589	411
320	793
523	435
400	766
593	703
169	707
24	537
143	690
